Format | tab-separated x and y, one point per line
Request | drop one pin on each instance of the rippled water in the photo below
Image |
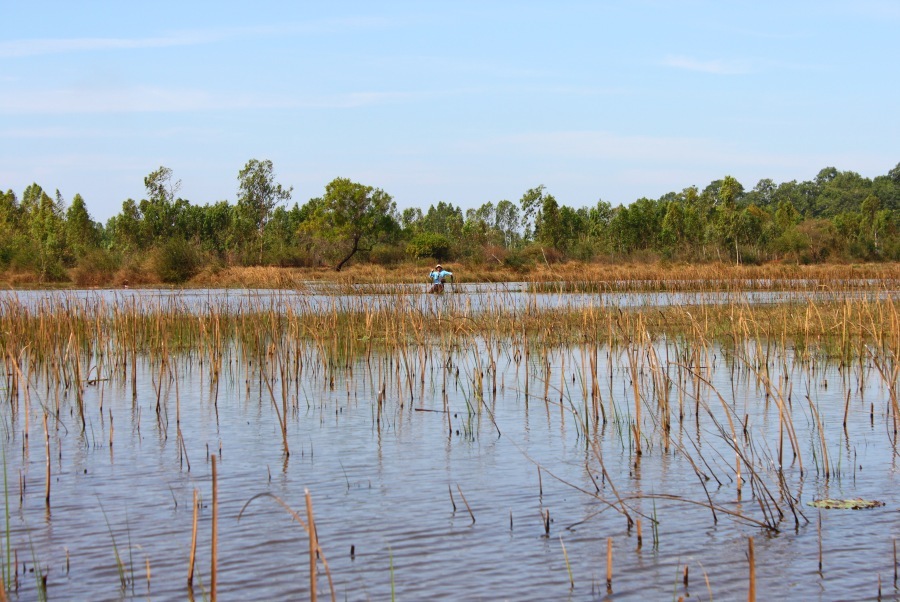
474	296
382	487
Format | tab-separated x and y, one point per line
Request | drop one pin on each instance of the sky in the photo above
458	101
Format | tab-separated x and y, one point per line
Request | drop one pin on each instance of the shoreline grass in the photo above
573	275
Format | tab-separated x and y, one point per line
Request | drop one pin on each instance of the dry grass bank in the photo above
588	276
575	276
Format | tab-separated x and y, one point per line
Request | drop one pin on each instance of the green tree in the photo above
353	217
124	230
46	228
258	194
531	203
81	232
158	210
506	221
411	219
547	230
729	220
445	219
10	214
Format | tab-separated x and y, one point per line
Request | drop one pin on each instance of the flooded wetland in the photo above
489	443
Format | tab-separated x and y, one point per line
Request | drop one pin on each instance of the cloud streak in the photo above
148	99
49	46
715	66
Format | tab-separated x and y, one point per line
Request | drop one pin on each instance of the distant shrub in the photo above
518	261
383	254
95	268
289	257
429	244
541	254
175	261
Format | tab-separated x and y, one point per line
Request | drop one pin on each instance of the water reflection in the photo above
388	447
464	298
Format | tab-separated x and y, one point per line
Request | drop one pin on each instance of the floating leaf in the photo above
856	504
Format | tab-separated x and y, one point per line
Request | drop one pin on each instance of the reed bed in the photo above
572	355
574	275
81	340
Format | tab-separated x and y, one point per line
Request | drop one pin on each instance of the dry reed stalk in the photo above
313	547
636	428
818	421
568	566
640	536
469	508
318	551
609	563
751	593
47	440
193	554
280	413
819	533
215	533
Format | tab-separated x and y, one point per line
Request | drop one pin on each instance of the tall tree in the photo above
82	233
258	194
46	229
547	230
353	217
506	220
531	202
158	210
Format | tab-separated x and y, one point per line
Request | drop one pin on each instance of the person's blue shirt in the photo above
438	276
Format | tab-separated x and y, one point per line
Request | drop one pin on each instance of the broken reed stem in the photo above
193	556
819	529
47	439
751	594
313	546
609	563
452	501
215	536
466	503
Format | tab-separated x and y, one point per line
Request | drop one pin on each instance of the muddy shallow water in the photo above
390	489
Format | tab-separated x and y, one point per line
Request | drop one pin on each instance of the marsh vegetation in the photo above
537	441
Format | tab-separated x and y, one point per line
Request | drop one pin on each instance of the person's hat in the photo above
438	266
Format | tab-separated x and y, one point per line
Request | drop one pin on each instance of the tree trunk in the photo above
353	251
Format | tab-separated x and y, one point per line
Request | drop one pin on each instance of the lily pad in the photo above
856	504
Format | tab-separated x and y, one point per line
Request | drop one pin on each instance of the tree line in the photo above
839	215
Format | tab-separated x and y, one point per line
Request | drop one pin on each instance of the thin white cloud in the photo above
73	133
715	66
23	48
147	99
45	46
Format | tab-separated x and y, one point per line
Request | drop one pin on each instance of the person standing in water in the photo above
438	277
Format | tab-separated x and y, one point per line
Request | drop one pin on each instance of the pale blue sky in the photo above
465	102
